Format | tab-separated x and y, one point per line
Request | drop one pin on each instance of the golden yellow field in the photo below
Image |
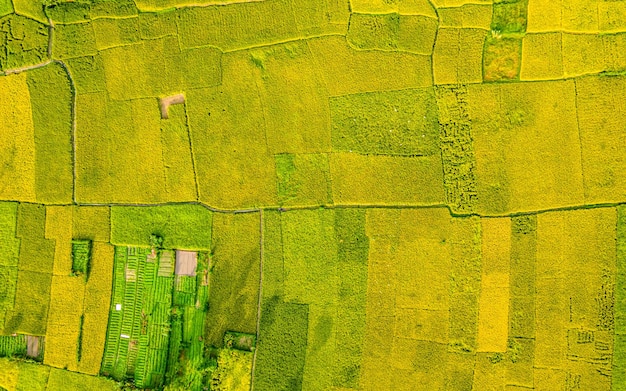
313	195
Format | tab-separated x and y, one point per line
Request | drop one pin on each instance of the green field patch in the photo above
303	179
68	11
390	123
6	7
23	42
273	22
12	346
81	257
180	181
294	98
619	358
353	249
457	149
32	297
502	58
32	377
157	24
9	244
74	40
87	73
282	346
412	33
374	31
61	380
510	16
156	321
36	252
116	32
51	101
112	8
234	277
181	226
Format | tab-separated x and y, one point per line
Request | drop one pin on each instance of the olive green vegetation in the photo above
32	297
510	16
68	12
234	276
315	274
36	252
181	226
87	73
391	123
51	97
61	380
413	33
9	253
23	42
353	249
12	346
157	24
6	7
619	358
282	346
32	377
81	255
180	180
303	179
116	32
74	40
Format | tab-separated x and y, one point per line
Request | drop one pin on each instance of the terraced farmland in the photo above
316	195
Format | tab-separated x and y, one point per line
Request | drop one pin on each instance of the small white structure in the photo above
118	307
125	336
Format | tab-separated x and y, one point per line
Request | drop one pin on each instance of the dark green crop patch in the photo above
81	255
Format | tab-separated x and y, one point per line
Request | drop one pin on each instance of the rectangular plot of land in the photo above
17	140
601	116
526	145
458	56
541	57
493	321
371	179
387	123
186	263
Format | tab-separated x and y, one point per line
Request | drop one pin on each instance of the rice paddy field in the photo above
315	195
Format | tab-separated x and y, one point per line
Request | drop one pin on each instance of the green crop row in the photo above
11	346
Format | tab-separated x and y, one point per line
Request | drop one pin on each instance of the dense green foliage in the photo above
23	41
81	256
181	226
